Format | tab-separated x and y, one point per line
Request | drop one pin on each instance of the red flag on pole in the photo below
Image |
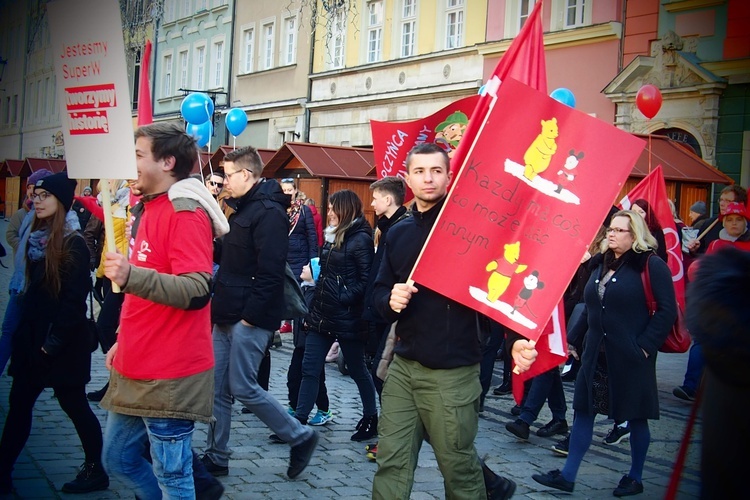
144	89
524	61
653	189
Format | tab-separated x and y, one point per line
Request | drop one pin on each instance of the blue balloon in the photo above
197	108
236	121
564	96
201	132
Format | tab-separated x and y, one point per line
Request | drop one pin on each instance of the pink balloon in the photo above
648	100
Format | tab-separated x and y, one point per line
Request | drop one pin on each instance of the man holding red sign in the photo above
432	390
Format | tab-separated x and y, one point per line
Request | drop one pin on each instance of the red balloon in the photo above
648	100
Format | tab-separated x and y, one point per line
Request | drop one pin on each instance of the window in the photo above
290	40
249	48
170	8
30	102
574	13
49	84
336	42
454	24
200	5
40	99
166	76
408	27
185	12
6	114
200	67
268	46
14	109
374	30
219	3
218	64
183	62
525	8
136	78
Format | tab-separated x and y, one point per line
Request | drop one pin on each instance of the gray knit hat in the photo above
699	207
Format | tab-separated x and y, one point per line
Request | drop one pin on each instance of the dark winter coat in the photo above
252	257
56	323
620	324
437	332
303	242
337	306
384	224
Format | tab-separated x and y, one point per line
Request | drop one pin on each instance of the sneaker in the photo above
290	410
519	428
213	469
617	434
628	487
371	446
276	340
96	396
554	479
286	327
516	410
684	393
300	455
90	478
561	447
367	428
372	452
552	428
275	439
321	418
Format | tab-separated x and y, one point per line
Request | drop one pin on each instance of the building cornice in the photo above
683	5
561	39
729	69
461	89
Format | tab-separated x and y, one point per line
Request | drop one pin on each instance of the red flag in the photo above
552	348
524	61
653	189
144	89
522	212
392	141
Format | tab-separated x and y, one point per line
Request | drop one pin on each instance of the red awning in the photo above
338	162
11	168
31	165
678	163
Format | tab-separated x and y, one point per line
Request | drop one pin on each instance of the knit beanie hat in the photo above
699	207
735	208
38	175
59	185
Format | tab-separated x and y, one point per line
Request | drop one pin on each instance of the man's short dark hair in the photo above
740	193
216	173
428	148
247	158
168	139
392	185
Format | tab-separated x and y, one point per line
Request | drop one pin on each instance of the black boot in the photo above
97	396
498	487
91	478
367	428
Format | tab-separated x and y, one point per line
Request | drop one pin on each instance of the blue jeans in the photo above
694	370
546	386
316	348
10	324
125	441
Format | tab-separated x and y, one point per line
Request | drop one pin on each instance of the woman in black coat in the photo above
52	347
620	347
336	309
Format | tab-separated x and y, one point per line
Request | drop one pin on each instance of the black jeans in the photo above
294	380
23	395
490	345
109	319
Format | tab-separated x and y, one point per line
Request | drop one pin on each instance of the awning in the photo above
678	163
11	168
31	165
336	162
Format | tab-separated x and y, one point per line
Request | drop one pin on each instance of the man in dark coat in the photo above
246	309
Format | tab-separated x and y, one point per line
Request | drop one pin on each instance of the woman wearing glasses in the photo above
52	347
618	363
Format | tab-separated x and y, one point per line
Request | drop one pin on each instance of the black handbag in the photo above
294	301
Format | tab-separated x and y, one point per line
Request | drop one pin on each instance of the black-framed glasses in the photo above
617	230
40	196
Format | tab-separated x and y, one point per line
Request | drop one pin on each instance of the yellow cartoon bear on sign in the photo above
539	154
502	269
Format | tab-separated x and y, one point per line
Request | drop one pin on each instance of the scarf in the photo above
37	242
294	212
330	234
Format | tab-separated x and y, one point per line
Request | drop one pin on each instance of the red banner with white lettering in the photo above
391	141
653	189
537	183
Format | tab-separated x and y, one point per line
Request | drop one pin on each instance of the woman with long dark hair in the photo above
52	347
336	308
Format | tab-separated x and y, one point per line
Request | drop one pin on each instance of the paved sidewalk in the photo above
340	469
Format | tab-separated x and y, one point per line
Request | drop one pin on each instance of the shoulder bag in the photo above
678	340
294	301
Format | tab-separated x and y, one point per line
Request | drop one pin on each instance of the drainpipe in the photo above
314	19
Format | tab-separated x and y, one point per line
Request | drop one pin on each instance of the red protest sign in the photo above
534	189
